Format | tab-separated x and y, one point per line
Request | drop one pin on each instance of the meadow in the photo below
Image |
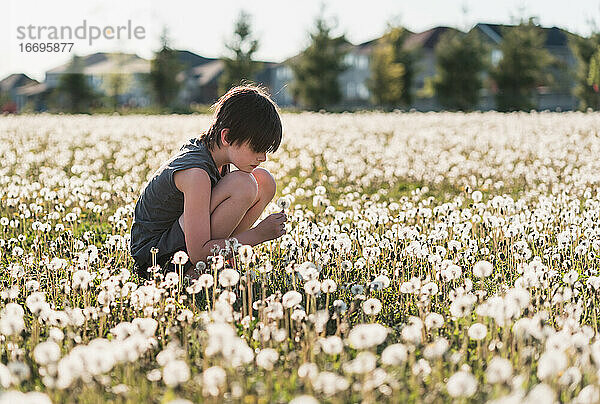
428	258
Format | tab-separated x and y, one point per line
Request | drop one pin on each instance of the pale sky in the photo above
281	26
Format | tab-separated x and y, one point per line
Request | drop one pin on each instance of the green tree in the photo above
522	67
387	75
164	69
116	83
240	67
461	59
316	70
73	88
585	50
393	69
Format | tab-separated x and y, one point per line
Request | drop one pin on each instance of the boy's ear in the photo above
225	136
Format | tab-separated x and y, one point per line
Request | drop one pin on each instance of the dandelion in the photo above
304	399
364	362
266	358
482	269
394	355
421	368
570	377
434	321
541	393
171	280
283	202
81	279
588	395
175	372
571	277
312	287
340	306
205	281
331	345
477	331
328	286
461	384
229	277
499	370
357	289
551	363
371	307
436	349
180	258
246	254
291	299
308	370
364	336
213	379
32	285
384	280
46	352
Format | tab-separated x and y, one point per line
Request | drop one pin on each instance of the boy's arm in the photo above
196	187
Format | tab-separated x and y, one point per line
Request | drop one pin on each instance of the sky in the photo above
281	26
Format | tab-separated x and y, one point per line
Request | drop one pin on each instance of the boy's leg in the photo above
266	192
237	201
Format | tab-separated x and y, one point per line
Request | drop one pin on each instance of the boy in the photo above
193	201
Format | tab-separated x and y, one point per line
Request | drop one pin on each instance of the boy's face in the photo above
244	157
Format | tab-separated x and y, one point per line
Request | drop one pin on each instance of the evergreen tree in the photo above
387	75
586	50
316	71
460	62
522	67
393	69
164	69
73	87
117	82
240	67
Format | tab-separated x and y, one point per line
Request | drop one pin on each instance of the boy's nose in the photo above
262	157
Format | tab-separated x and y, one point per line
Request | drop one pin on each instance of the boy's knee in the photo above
245	185
266	183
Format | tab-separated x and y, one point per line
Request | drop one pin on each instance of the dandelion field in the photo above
428	258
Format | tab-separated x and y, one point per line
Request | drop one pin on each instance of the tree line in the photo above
463	68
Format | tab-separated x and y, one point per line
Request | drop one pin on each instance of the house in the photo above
100	69
354	80
558	95
9	87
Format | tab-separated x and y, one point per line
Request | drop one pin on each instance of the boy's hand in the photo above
273	226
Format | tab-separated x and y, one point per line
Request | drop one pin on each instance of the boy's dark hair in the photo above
250	115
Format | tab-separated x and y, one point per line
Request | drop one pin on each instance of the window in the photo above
349	59
350	90
496	56
283	73
363	62
363	91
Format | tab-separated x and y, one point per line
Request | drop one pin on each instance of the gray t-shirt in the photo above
161	203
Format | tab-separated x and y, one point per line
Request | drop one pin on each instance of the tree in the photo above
460	62
164	69
522	67
586	50
241	66
317	69
73	87
116	83
393	68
